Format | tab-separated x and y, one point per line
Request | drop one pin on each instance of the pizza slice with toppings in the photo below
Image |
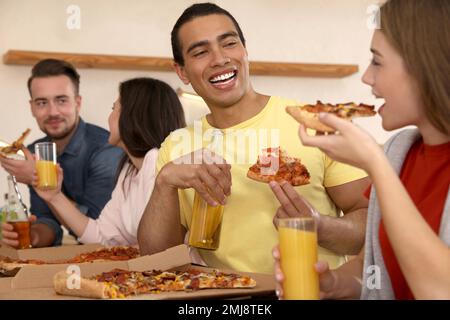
308	114
274	164
15	147
120	283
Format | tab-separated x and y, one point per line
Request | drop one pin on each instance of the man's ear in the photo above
181	73
78	103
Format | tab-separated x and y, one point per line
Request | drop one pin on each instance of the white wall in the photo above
315	31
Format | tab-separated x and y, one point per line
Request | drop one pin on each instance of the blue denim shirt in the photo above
90	167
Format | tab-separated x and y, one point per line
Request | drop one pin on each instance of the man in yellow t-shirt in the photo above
209	51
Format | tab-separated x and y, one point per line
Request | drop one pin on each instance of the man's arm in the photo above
160	226
343	235
21	169
42	235
346	234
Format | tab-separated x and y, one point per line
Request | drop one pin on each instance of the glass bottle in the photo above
17	216
3	211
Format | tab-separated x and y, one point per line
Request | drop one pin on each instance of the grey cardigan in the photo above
379	287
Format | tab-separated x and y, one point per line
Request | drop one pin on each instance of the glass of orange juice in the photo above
206	224
46	165
298	254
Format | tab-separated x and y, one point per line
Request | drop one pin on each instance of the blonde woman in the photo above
408	226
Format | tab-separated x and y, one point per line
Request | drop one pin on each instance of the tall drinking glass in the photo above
46	165
298	250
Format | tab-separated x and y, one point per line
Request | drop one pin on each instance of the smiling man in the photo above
210	54
88	161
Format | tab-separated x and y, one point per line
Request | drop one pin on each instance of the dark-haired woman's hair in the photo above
150	111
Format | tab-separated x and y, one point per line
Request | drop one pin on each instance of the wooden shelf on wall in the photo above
115	62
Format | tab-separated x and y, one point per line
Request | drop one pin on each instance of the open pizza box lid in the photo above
46	254
36	282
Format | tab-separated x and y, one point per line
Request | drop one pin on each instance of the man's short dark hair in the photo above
195	11
53	67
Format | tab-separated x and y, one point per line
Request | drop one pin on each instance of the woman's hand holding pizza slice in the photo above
351	145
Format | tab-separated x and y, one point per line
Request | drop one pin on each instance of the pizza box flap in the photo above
168	259
49	253
5	285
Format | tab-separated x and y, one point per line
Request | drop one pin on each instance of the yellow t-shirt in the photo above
248	234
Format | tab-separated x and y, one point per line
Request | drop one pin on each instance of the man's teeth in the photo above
223	77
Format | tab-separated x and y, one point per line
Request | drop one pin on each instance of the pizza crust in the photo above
88	288
9	266
308	119
295	181
260	177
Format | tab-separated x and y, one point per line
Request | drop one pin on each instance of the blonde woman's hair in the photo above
420	31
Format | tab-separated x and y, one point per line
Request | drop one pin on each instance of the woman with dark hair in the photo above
146	111
407	247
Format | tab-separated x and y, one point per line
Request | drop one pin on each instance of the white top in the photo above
119	219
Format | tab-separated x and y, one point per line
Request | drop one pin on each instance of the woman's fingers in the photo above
333	121
279	276
326	277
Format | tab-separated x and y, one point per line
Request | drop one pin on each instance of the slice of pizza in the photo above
274	164
123	283
15	147
106	254
308	114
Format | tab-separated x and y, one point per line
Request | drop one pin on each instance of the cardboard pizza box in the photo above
36	282
41	276
48	253
265	289
5	285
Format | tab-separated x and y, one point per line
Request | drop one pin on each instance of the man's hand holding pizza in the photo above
21	169
292	204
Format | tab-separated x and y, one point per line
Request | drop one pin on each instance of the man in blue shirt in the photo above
88	161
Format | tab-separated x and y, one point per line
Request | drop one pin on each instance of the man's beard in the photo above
63	134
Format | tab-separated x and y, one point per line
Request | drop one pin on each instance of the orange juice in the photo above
298	249
46	171
206	224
